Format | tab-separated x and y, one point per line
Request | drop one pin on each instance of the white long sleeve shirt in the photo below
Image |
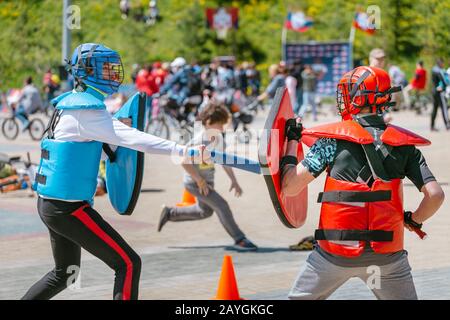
98	125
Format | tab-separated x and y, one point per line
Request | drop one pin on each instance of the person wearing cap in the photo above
377	58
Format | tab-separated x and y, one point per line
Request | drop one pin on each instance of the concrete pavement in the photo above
184	260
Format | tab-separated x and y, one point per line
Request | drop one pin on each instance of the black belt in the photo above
354	196
353	235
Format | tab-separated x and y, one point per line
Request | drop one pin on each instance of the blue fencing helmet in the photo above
97	66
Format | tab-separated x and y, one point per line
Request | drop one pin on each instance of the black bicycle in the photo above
169	121
11	127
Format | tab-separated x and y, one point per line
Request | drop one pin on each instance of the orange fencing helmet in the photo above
364	87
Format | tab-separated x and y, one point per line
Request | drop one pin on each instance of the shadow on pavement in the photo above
230	248
152	190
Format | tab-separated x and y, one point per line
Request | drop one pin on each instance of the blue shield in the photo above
125	167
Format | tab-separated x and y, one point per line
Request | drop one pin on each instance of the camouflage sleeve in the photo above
320	156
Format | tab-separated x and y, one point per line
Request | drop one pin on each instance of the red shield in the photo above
291	210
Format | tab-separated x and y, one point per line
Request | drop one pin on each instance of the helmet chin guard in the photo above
97	66
364	87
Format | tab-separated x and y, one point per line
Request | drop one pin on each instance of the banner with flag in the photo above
362	22
297	21
222	18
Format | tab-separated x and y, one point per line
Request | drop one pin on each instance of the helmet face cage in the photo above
345	103
343	98
108	71
103	70
351	100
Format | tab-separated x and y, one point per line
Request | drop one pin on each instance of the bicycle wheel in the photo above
10	128
159	128
36	129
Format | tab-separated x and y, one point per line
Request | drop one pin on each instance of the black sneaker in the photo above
245	245
165	215
305	244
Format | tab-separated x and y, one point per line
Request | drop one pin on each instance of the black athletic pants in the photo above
76	225
439	104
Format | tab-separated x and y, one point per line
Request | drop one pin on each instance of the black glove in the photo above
293	129
410	221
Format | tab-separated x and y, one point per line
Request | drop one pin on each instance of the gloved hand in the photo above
293	129
412	225
410	222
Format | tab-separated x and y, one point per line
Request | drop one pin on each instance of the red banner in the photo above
222	18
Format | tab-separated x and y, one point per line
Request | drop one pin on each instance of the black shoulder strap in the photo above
375	153
374	163
52	124
354	89
111	154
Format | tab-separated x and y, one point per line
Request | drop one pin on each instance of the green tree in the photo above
31	31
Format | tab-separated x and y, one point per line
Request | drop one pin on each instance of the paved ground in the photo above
184	260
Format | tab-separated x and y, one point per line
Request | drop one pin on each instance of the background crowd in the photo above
239	84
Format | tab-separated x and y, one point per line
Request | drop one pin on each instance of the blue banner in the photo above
329	60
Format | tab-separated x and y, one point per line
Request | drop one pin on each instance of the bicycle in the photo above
157	122
10	127
166	116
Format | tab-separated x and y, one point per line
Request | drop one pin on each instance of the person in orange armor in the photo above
362	218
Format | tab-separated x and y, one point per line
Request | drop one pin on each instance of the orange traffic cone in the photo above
228	289
188	199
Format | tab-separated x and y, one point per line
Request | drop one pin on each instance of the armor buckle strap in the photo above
353	235
41	179
45	154
355	196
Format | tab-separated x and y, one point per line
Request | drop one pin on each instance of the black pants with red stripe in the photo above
76	225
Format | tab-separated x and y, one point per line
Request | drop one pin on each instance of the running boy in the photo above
199	181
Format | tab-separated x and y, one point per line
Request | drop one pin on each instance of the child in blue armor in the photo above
67	176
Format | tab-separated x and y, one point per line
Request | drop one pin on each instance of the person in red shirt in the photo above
145	82
418	83
420	78
159	74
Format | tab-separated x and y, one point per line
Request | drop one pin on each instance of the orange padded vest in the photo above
353	213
